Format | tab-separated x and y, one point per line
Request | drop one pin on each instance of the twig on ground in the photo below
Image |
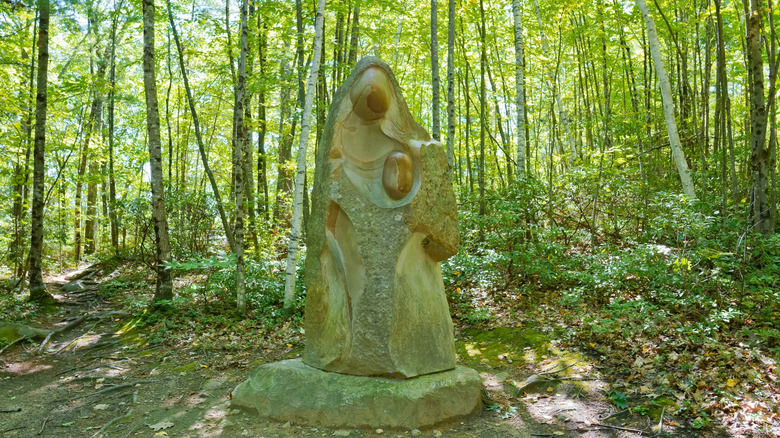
8	411
71	324
116	387
614	414
624	429
661	422
12	429
105	427
43	426
76	379
22	339
545	373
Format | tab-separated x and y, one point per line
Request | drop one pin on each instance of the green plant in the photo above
618	399
701	422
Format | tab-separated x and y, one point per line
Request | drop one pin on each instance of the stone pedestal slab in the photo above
293	391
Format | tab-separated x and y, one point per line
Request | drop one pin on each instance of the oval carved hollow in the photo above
398	175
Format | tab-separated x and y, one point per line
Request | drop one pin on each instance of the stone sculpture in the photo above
383	217
379	343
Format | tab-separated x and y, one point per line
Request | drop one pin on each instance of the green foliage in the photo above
264	284
618	399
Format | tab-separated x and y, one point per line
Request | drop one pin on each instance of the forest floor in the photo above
116	371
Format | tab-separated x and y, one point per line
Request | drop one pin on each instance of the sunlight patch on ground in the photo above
24	368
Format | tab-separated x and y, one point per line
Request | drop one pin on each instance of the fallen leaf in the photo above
100	407
644	389
550	389
731	383
161	425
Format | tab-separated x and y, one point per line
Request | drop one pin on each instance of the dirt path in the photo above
101	377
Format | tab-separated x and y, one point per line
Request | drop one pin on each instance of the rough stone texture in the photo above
293	391
383	217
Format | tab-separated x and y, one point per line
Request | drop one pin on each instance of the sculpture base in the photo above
293	391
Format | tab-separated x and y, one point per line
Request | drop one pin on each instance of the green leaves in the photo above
618	399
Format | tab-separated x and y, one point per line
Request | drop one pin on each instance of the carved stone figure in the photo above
383	217
379	343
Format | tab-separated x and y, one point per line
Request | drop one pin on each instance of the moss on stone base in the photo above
293	391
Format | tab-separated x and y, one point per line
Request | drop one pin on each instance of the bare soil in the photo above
103	377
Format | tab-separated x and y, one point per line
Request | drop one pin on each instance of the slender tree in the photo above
262	49
241	146
436	134
113	214
37	288
292	250
21	175
519	89
196	123
563	115
164	288
451	85
666	95
482	114
759	152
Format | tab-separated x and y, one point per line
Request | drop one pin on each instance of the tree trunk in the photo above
759	152
520	90
721	107
262	180
112	209
353	39
666	94
164	287
37	288
482	116
20	188
93	125
436	131
198	137
241	140
772	104
249	186
283	177
292	251
451	85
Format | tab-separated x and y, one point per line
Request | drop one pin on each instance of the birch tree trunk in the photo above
668	103
164	288
451	86
520	90
238	165
37	288
198	136
436	134
292	249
